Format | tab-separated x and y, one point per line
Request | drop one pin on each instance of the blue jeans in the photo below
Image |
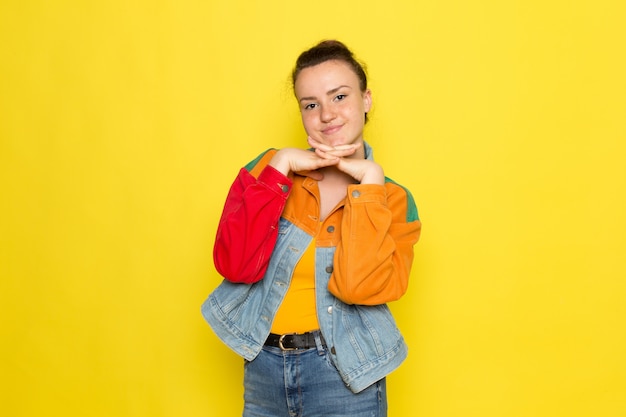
304	383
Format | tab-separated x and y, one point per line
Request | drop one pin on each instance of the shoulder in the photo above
257	165
398	196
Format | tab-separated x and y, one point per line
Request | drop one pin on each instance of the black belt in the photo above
293	341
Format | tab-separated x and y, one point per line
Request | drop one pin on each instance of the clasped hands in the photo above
309	163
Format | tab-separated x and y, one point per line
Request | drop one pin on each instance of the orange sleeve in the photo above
373	260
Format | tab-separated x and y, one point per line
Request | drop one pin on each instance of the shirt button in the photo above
329	269
356	193
330	229
330	310
285	188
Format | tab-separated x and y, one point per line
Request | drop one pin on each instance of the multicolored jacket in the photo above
363	258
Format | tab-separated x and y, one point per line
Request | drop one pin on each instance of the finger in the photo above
345	147
335	153
318	145
326	159
325	155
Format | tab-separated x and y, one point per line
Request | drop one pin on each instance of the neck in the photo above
333	175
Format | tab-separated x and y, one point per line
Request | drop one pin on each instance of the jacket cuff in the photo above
367	193
275	180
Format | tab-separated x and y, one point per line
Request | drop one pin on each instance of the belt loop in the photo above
319	342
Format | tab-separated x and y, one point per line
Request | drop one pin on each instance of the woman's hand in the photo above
306	162
301	161
361	169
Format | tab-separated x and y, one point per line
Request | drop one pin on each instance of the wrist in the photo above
280	163
374	175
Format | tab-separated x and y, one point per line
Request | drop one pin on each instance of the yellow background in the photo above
123	123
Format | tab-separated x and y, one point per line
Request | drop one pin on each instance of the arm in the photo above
248	228
373	261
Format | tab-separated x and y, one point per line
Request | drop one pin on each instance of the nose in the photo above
327	114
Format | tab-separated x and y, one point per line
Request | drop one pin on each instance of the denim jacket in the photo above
363	340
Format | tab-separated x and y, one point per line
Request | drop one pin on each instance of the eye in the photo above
310	106
340	97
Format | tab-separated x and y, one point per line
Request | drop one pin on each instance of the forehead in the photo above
321	78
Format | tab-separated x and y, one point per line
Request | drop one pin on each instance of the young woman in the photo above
312	243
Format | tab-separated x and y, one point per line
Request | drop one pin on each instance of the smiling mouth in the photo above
331	129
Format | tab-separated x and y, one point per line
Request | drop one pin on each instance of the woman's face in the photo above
331	103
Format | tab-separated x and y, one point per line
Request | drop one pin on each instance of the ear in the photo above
367	100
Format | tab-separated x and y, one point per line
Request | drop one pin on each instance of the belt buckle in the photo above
280	341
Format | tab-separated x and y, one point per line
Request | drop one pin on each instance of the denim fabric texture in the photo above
305	383
364	341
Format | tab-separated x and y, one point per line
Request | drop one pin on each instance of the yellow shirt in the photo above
297	312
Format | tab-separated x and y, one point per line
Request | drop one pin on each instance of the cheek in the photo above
308	120
354	113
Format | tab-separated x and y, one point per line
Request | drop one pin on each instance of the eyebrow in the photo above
328	93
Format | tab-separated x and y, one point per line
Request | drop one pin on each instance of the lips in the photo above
332	129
